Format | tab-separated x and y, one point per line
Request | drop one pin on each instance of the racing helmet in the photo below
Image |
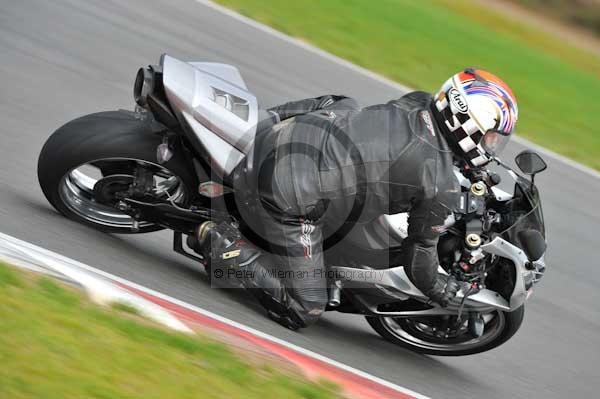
477	113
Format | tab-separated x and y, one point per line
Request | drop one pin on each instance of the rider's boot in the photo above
224	250
270	292
222	244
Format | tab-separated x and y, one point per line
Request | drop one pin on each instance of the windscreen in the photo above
527	212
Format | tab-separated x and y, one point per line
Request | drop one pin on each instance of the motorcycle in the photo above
165	165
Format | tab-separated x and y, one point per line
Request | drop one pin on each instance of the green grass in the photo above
422	43
125	308
55	344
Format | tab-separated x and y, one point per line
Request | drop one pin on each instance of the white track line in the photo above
43	256
379	78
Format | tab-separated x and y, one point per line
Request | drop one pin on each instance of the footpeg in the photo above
335	293
202	231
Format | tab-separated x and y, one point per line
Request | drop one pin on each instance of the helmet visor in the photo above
494	141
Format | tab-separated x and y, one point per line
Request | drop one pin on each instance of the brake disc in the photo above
110	189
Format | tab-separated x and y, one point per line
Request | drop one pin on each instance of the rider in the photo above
326	164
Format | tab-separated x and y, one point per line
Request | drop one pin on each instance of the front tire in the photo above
403	332
116	140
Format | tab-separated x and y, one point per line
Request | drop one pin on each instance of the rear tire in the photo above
105	135
511	324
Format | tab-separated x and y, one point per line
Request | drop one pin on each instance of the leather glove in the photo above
444	290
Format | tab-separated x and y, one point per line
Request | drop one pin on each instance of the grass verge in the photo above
422	43
55	344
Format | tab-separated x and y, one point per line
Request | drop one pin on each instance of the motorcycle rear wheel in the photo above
417	336
114	143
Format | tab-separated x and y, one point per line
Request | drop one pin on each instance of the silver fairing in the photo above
212	101
395	283
505	249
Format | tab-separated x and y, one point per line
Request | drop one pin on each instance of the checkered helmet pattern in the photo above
479	111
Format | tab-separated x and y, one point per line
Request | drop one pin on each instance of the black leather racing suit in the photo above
328	164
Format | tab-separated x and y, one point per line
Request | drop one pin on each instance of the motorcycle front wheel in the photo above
89	159
423	335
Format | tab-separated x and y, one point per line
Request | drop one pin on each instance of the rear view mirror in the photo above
530	162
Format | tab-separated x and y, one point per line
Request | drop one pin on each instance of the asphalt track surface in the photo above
63	59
